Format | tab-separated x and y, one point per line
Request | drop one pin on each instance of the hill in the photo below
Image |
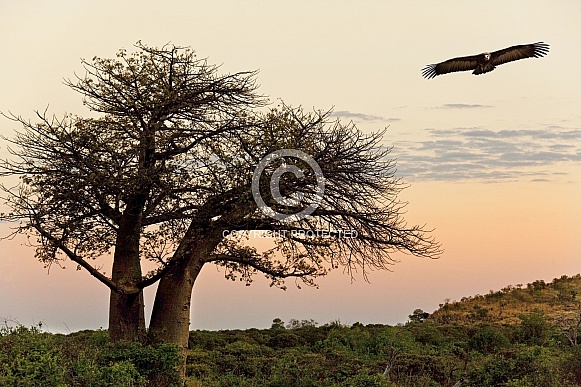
557	300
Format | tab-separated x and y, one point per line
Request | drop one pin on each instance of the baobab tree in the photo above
178	164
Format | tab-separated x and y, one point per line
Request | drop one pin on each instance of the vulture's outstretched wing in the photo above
535	50
457	64
484	63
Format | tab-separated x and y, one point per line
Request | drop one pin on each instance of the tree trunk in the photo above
170	317
127	309
126	317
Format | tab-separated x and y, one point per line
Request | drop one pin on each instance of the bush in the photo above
571	366
31	357
122	373
488	340
534	329
28	358
285	340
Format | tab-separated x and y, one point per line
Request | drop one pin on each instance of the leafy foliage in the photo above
31	357
425	353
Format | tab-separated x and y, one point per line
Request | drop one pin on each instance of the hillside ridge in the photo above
557	300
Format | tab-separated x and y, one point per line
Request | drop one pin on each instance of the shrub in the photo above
488	340
30	357
533	330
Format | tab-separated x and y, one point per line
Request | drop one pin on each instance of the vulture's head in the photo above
487	56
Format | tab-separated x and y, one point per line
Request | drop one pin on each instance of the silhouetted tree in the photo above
418	316
165	174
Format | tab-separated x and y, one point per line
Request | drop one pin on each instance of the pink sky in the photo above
493	162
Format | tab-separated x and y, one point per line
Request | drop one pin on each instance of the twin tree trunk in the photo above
170	317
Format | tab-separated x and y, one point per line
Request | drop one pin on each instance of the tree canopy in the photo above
177	144
166	172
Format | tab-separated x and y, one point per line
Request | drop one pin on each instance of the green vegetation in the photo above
459	342
31	357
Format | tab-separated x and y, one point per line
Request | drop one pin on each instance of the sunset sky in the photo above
493	162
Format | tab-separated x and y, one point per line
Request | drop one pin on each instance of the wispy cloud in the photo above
476	153
462	106
361	116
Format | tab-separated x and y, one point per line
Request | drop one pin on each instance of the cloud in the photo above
361	116
476	153
462	106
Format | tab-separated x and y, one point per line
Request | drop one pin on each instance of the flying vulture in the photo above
487	61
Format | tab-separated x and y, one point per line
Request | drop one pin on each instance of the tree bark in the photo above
170	317
127	308
126	317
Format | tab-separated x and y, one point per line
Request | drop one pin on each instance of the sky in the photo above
492	162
